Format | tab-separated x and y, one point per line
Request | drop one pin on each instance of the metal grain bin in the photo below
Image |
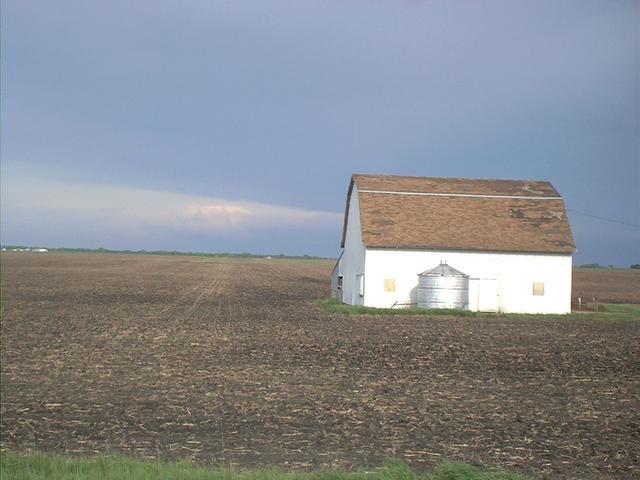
443	287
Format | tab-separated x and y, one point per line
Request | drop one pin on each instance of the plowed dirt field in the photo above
231	362
609	285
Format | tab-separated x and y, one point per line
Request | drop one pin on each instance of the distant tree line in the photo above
597	265
170	252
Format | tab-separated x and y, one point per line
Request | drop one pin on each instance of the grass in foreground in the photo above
37	466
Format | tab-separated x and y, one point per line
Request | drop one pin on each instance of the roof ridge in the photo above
466	195
472	179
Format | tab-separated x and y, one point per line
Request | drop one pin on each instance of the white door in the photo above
488	295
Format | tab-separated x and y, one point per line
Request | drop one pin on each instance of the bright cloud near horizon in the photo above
235	125
134	216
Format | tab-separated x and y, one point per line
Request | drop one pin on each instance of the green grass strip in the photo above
38	466
608	311
335	306
621	308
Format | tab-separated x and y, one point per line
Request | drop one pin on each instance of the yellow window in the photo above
538	288
389	284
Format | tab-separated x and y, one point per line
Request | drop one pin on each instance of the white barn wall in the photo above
514	274
335	273
353	256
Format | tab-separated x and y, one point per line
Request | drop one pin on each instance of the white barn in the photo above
511	237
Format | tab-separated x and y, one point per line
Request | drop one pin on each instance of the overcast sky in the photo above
235	125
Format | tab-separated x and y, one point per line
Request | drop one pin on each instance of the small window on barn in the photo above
538	288
339	281
389	284
361	284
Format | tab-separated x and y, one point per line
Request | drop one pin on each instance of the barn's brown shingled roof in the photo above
461	214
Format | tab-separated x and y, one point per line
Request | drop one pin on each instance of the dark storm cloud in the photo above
279	102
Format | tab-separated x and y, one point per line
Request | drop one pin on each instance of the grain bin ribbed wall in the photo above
443	287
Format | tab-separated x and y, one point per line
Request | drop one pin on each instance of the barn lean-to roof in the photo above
460	214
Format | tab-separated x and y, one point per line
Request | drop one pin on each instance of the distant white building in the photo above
509	240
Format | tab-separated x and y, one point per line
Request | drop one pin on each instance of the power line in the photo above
604	219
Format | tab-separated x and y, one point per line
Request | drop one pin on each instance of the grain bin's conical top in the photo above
443	270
